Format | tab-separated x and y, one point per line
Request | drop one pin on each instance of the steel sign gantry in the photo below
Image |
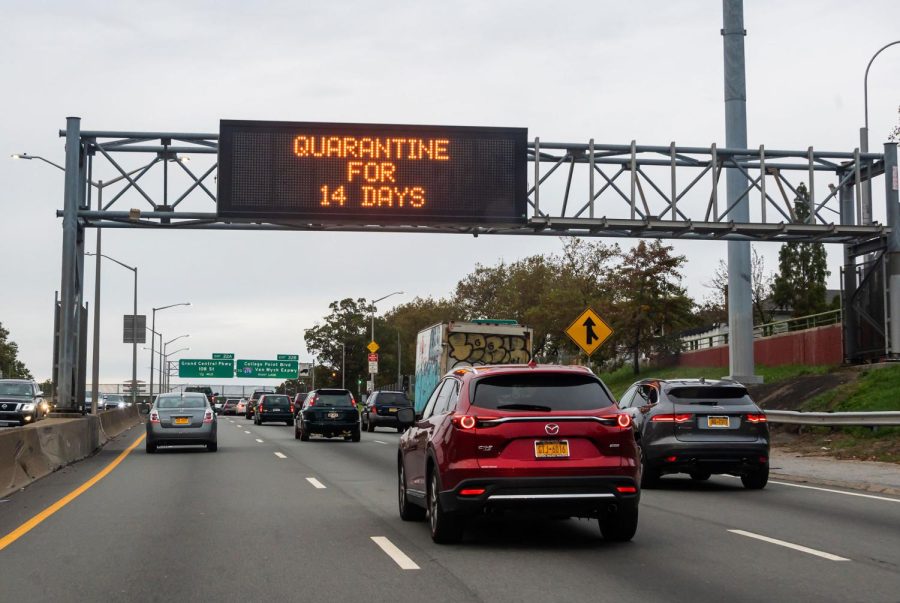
607	190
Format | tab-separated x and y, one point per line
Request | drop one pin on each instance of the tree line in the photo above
639	291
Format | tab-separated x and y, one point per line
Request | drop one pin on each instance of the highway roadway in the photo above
268	517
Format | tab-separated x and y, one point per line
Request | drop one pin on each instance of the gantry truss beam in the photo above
576	189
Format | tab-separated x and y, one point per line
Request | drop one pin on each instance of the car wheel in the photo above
289	422
401	429
370	426
408	511
445	528
304	435
151	447
212	446
620	525
355	435
756	480
700	476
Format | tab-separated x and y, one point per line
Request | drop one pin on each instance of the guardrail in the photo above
863	419
799	323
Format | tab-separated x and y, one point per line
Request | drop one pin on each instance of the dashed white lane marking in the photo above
278	454
316	483
379	442
790	545
258	440
805	487
399	557
245	431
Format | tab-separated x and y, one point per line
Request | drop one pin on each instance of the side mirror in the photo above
406	417
39	395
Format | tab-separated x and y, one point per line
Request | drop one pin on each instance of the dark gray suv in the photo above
21	402
699	427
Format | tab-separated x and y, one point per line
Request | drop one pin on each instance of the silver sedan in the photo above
181	418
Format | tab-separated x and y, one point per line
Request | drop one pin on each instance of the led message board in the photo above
373	174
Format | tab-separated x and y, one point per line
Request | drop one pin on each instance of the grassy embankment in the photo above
874	390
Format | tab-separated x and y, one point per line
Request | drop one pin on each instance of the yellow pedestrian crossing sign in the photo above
372	347
589	331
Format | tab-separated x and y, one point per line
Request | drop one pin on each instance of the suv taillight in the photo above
292	408
374	410
154	416
260	407
464	421
312	401
757	418
679	418
624	420
208	416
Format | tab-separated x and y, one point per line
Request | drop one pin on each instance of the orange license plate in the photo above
717	422
551	449
182	421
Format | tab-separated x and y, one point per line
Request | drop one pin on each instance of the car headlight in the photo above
28	407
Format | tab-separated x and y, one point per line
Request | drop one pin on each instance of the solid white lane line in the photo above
245	431
258	440
379	442
316	483
399	557
790	545
805	487
893	500
278	454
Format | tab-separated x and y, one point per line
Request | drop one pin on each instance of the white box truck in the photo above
445	346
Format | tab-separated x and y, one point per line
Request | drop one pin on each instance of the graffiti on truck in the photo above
468	349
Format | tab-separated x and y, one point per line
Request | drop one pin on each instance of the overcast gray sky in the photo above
649	71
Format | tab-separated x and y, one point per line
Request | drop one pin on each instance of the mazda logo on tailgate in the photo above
4	407
551	428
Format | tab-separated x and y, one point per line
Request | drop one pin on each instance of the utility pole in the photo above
740	308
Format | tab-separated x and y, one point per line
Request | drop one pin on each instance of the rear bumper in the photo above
276	416
181	435
330	427
384	420
574	496
673	456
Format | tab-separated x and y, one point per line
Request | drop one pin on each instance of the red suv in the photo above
528	438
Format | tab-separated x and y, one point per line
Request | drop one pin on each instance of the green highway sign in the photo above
206	369
223	356
267	369
288	357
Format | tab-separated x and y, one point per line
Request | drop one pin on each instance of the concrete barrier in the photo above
31	452
115	421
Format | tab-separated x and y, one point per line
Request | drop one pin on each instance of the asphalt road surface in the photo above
268	517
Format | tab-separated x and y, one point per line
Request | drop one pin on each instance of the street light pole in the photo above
866	202
343	366
133	325
153	340
165	346
371	374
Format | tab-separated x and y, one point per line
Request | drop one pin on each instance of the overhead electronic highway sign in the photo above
332	173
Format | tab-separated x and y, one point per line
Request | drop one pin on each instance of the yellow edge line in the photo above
62	502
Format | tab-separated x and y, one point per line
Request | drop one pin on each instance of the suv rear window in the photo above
724	396
276	400
397	399
333	398
540	392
